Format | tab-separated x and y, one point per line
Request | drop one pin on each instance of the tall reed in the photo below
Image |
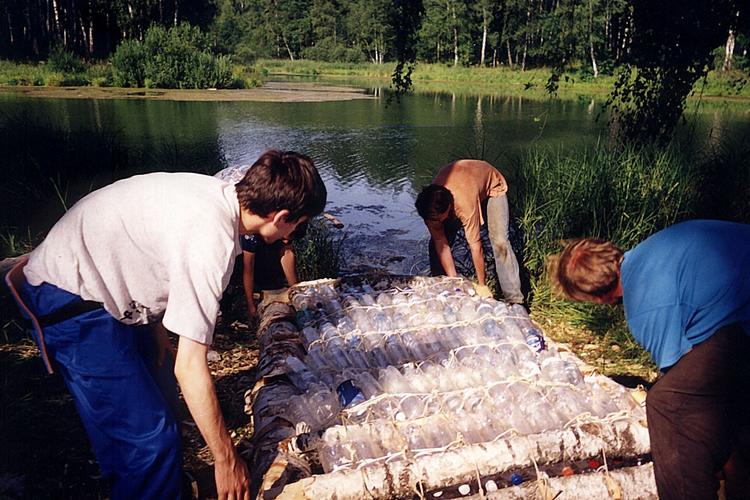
621	194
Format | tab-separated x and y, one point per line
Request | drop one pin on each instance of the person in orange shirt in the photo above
470	193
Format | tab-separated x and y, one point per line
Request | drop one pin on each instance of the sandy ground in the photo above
270	92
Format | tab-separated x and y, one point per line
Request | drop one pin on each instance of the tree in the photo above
406	16
670	51
368	22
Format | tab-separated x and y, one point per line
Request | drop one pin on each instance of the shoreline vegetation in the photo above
256	82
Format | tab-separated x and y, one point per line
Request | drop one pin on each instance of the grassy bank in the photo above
501	80
624	195
427	78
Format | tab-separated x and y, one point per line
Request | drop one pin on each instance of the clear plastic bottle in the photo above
534	338
368	384
300	374
384	300
485	308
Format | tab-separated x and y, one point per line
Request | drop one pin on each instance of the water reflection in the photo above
373	155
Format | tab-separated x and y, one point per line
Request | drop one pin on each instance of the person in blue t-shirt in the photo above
686	294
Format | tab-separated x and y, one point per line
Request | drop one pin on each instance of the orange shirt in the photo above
471	182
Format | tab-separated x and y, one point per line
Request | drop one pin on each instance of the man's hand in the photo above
252	311
232	478
483	291
191	370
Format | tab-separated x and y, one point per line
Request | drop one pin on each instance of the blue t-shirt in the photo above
685	282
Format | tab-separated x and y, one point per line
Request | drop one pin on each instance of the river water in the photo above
374	155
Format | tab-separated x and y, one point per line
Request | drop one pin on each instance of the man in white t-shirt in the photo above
156	249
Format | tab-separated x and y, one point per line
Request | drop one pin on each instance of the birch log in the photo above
407	477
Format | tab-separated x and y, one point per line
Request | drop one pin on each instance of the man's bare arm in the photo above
477	257
442	248
191	370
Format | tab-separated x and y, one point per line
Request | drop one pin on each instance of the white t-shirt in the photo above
132	245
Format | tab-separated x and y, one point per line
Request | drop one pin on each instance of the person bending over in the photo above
155	249
470	193
264	266
686	295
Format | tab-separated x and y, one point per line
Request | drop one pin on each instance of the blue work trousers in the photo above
126	402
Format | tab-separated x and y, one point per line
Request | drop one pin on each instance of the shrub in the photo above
179	58
62	60
75	80
129	64
244	55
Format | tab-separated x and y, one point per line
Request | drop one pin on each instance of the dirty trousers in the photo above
497	217
698	413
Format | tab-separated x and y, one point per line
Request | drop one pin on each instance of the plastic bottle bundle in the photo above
318	407
557	369
432	365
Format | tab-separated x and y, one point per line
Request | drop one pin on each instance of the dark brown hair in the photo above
433	201
281	180
586	269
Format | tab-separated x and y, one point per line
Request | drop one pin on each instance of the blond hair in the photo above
586	269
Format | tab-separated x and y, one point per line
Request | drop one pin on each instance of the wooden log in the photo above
400	478
629	483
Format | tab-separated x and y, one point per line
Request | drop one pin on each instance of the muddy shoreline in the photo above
270	92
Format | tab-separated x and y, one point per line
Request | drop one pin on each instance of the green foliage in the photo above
622	194
129	64
63	61
329	50
319	252
672	51
406	17
171	58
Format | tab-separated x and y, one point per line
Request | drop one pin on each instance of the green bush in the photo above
63	61
75	80
129	64
179	58
244	55
329	51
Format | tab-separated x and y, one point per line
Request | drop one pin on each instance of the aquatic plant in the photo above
319	253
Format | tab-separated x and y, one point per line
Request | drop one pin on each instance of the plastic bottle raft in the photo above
400	387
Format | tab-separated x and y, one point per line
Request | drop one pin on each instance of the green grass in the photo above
502	80
319	252
427	77
622	194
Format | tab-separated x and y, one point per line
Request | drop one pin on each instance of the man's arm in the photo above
289	264
442	248
477	256
191	370
248	282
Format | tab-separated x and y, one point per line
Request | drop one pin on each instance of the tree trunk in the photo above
455	37
286	46
510	54
591	40
56	12
485	23
526	37
728	52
